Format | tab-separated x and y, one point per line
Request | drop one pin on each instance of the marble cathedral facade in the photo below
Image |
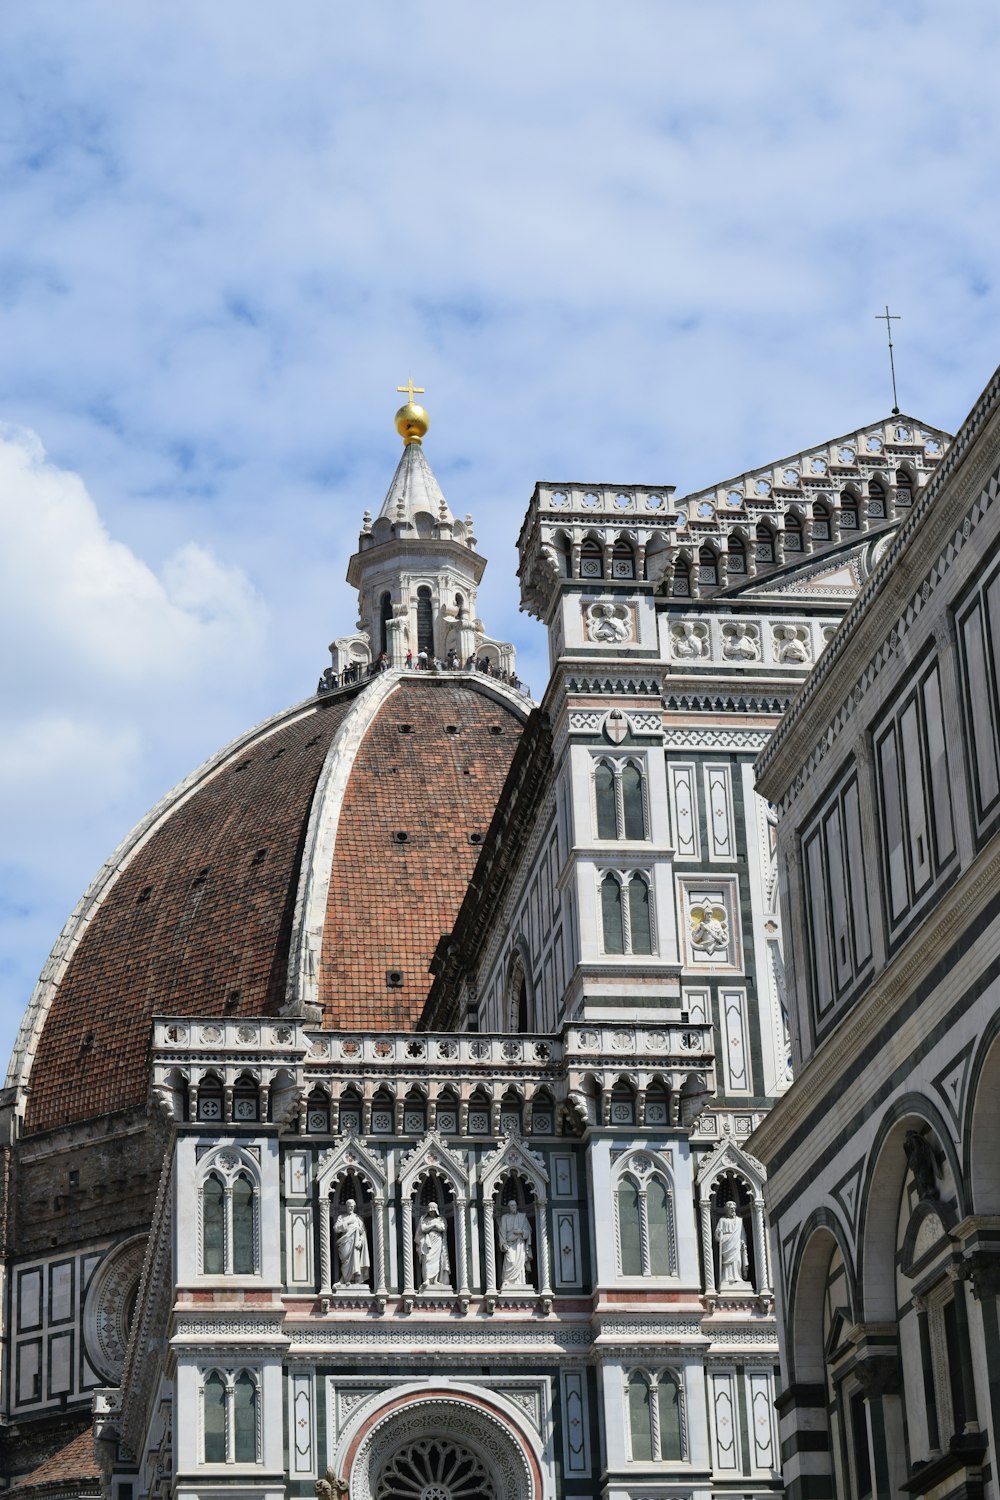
464	1210
884	1186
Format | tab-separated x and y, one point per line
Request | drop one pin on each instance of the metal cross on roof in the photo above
409	390
888	319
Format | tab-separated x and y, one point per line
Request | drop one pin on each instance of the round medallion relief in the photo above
110	1306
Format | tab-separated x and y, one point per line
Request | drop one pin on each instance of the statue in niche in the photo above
431	1241
514	1239
730	1236
922	1163
351	1243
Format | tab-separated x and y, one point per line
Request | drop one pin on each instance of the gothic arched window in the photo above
708	566
632	808
425	620
793	532
230	1232
244	1419
668	1410
243	1226
640	928
604	791
213	1227
384	616
645	1211
215	1419
680	587
848	511
821	522
640	1417
612	915
659	1225
619	797
656	1416
230	1418
629	1227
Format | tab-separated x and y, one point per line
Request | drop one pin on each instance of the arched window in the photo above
680	586
619	800
604	792
612	915
821	522
213	1226
425	621
764	543
622	561
318	1112
876	499
848	511
230	1232
522	1004
243	1226
629	1231
230	1418
215	1419
384	616
793	532
708	566
638	913
626	913
668	1410
656	1416
591	559
660	1228
632	808
640	1418
737	563
245	1419
904	489
645	1210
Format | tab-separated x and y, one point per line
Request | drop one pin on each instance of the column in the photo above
705	1210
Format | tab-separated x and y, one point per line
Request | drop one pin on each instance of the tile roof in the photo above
390	901
201	913
74	1461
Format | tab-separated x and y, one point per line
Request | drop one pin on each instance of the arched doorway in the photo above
440	1446
425	620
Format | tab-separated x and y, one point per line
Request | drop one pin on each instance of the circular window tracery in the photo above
434	1469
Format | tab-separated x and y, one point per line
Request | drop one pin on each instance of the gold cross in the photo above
409	390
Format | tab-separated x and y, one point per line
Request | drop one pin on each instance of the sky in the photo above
642	243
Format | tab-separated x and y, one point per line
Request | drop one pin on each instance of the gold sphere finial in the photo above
411	420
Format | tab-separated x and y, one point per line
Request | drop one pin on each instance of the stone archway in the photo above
440	1447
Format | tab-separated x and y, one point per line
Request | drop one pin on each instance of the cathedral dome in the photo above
310	867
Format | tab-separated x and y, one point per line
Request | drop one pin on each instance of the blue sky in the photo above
634	243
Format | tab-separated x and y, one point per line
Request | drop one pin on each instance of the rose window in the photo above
434	1469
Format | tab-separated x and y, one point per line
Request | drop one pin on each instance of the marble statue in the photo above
431	1242
731	1239
514	1235
352	1246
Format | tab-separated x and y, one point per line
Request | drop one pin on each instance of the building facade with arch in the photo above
446	1193
883	1165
